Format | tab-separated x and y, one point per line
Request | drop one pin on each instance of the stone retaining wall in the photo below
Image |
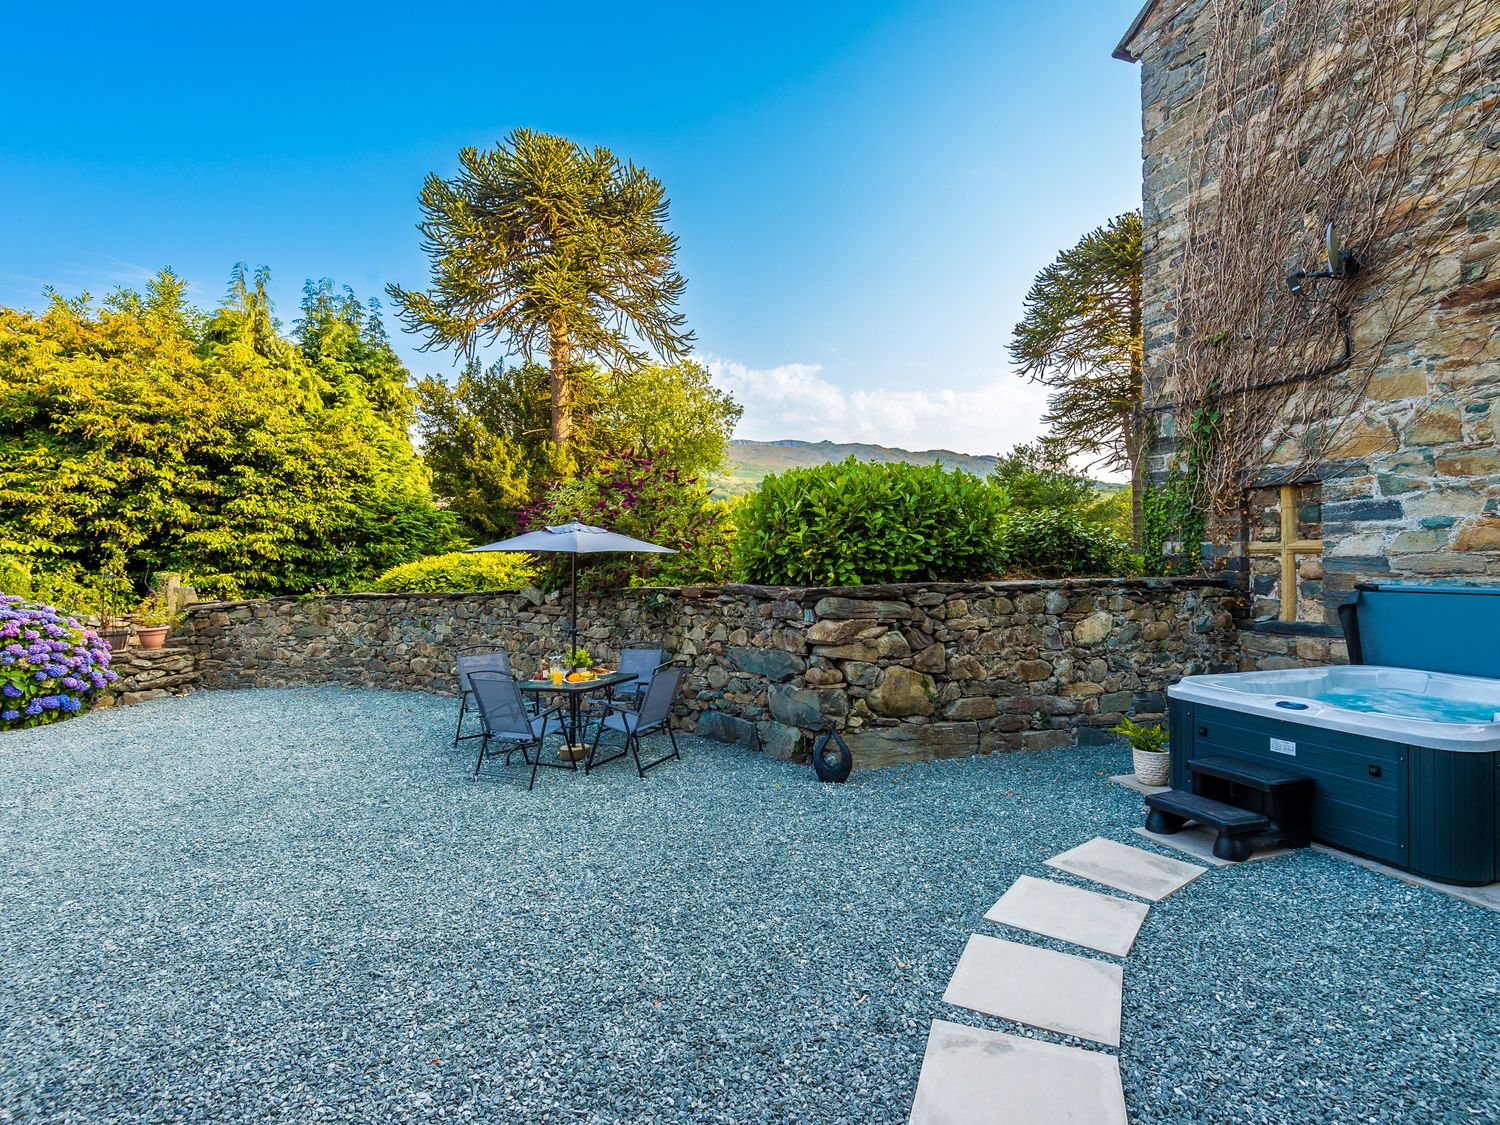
910	671
152	674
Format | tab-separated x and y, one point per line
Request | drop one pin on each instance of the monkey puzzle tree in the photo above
546	246
1081	336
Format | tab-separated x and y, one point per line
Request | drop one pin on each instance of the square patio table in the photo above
575	694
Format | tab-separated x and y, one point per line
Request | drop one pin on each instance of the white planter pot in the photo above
1152	769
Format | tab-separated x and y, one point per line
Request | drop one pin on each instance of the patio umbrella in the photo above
575	539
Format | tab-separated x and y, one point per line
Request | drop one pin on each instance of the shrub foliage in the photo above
459	571
1056	543
51	667
641	493
855	523
145	435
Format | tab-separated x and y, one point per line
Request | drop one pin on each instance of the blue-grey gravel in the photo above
295	906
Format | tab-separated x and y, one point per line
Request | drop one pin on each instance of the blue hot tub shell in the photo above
1420	795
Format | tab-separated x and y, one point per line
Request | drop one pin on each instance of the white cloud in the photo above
794	400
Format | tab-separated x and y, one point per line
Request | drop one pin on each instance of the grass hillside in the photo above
752	461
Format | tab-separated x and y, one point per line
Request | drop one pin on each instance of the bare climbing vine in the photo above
1376	115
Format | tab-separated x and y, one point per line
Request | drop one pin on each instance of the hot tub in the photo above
1405	757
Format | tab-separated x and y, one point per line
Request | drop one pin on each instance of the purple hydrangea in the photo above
51	666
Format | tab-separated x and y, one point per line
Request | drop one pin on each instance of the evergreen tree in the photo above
546	246
486	438
1081	336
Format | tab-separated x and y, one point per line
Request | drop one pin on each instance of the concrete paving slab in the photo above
1056	910
1130	781
1198	842
1057	991
976	1077
1132	870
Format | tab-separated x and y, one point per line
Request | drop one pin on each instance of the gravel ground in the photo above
294	906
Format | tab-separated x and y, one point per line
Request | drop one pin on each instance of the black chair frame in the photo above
514	743
465	696
632	744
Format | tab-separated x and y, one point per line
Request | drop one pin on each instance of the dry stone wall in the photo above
147	674
909	672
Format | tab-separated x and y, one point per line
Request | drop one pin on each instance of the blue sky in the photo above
863	191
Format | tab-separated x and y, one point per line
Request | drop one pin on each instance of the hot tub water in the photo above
1411	705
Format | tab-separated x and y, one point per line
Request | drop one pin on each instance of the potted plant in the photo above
111	594
1148	746
578	662
153	620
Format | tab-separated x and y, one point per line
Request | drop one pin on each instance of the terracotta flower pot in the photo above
116	639
1152	768
151	637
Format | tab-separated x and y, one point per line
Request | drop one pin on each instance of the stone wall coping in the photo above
778	593
1293	628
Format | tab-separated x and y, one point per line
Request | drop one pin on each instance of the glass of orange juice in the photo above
555	665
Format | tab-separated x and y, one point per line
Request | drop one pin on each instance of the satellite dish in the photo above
1335	253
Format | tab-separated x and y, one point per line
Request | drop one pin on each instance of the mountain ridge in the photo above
749	462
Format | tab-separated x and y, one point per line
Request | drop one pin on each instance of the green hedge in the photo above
855	523
1055	543
460	571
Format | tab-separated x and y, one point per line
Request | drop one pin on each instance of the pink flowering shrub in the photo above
51	666
638	493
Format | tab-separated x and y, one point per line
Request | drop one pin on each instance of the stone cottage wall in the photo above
910	672
1412	493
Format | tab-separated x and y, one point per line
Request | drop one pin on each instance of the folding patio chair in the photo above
642	659
497	697
481	658
653	715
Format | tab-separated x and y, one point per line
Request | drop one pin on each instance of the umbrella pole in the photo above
573	625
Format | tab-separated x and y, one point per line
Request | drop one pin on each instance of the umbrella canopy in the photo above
575	539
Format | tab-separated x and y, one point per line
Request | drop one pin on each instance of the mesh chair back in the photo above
658	702
500	704
496	660
640	661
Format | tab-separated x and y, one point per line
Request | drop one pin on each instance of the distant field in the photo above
750	462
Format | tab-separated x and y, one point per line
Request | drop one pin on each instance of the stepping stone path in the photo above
1127	869
1070	914
968	1073
1057	991
971	1076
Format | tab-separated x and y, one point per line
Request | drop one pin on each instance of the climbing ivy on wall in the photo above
1174	511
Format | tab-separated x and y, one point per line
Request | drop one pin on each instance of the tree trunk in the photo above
1135	496
1132	427
561	356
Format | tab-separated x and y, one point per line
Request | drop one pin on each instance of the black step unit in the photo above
1248	804
1235	827
1260	776
1279	794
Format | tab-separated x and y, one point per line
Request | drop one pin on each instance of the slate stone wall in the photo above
1412	491
909	672
147	674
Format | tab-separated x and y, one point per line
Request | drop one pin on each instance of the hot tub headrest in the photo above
1453	629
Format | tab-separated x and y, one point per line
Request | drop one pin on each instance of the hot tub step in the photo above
1259	776
1234	826
1268	789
